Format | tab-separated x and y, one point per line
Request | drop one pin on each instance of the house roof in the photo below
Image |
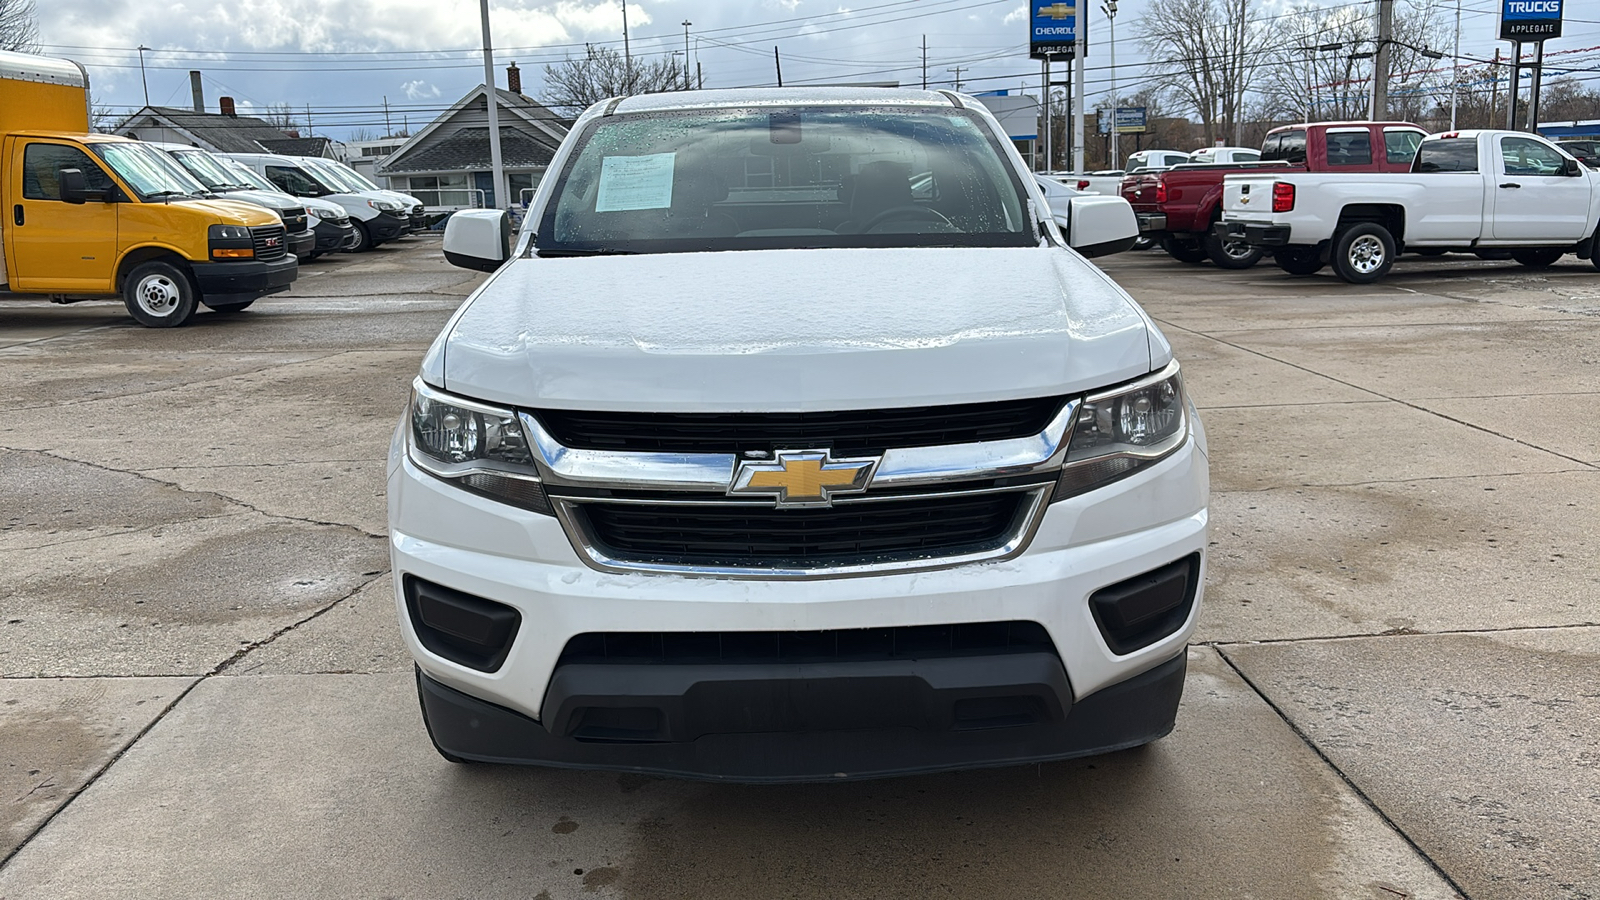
469	149
531	126
297	146
227	134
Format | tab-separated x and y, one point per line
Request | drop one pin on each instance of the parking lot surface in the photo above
1392	694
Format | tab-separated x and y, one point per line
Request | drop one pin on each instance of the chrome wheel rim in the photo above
1237	249
1366	254
158	295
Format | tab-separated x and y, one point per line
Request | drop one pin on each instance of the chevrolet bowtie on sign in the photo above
802	477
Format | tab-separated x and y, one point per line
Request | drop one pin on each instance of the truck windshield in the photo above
149	172
776	177
208	171
240	172
352	176
333	176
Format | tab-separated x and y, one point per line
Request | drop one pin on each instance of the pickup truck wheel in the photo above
1363	253
1540	258
1230	254
1299	260
1183	250
1143	242
229	307
159	295
363	241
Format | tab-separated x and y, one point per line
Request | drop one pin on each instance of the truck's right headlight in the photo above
474	446
1124	429
325	213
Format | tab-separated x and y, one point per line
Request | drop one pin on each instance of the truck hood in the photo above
792	330
261	198
236	212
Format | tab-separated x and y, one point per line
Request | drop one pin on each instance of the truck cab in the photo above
91	216
209	171
377	218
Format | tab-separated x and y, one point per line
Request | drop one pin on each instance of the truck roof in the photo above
81	137
30	67
1345	124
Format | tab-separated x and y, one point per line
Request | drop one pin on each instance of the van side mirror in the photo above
478	239
74	187
1097	225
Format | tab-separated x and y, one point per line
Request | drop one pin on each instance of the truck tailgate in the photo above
1247	197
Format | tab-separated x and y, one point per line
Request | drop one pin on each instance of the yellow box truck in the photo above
93	216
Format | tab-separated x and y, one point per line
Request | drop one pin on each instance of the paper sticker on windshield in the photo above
635	182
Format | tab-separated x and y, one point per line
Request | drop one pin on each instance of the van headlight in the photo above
477	447
329	214
1124	429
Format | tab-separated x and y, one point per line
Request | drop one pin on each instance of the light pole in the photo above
686	24
1455	68
142	49
494	112
1110	9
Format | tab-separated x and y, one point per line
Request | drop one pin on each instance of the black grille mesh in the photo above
266	247
845	432
763	536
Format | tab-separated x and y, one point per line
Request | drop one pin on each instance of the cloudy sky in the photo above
344	57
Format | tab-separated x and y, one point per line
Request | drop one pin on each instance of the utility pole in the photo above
388	130
1110	9
1080	62
142	49
308	120
1514	86
924	62
777	64
1044	73
495	161
1494	86
1455	68
957	70
1380	62
627	54
1533	87
686	24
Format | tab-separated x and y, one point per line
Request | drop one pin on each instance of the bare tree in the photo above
573	85
364	134
1208	53
18	28
280	115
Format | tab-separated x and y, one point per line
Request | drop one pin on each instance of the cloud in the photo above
420	90
1015	16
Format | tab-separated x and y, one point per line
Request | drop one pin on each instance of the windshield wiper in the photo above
156	195
586	251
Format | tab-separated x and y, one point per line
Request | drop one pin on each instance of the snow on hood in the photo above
791	330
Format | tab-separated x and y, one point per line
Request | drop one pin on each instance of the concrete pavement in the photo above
204	693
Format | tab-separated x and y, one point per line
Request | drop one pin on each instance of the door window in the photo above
1349	148
1524	156
1400	147
1290	146
42	165
1447	155
295	181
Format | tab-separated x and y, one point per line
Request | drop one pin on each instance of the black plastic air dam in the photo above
1128	714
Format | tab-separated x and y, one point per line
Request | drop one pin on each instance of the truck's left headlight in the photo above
1124	429
475	446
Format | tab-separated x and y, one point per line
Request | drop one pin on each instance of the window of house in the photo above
443	190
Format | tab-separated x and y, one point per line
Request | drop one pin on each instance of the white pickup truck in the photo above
1492	193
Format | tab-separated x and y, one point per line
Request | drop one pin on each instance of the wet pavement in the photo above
1391	694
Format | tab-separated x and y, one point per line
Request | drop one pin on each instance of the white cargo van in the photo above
377	218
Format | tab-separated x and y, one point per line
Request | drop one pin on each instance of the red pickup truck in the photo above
1179	205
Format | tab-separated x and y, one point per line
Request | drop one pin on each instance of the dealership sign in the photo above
1530	20
1131	120
1053	28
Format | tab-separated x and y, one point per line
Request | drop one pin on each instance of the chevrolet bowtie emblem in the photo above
802	477
1058	11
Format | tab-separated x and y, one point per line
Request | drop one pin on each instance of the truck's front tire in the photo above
1300	260
1540	258
1363	253
1183	250
230	307
159	295
363	239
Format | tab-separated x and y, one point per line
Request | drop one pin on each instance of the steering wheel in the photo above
907	211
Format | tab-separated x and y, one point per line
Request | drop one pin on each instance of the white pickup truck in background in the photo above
1493	193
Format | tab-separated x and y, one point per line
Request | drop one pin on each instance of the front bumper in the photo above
416	221
332	237
302	243
245	279
1151	222
386	226
1254	234
524	560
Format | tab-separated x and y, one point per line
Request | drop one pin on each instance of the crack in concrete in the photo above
276	465
215	671
187	384
1587	470
221	496
1397	633
1343	776
111	534
1406	403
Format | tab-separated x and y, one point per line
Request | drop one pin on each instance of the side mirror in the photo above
1097	225
1572	168
74	187
478	239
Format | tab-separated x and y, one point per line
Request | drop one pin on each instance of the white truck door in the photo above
1454	209
1534	198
